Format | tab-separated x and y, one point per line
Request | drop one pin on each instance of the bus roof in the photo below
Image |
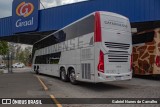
93	13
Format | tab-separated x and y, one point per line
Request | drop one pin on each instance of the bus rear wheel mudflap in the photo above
37	71
63	76
72	77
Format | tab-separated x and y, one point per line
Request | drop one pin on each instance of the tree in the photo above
27	54
24	55
3	48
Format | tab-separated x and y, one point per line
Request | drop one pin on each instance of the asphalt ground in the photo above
135	88
23	84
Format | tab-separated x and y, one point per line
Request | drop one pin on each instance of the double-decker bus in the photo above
95	48
146	52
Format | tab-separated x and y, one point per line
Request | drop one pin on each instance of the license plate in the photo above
118	78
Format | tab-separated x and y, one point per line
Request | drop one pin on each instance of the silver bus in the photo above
95	48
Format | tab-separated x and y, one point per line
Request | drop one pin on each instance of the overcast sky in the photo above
6	5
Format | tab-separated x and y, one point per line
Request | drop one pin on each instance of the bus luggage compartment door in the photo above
87	64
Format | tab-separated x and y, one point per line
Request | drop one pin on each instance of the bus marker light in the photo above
101	62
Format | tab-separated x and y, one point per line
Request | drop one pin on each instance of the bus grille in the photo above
117	45
117	52
86	70
117	58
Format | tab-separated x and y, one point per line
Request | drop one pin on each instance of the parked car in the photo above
2	66
18	65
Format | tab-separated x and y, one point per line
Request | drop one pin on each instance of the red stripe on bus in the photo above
97	29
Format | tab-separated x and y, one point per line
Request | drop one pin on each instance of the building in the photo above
143	14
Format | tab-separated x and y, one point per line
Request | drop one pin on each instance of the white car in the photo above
2	66
18	65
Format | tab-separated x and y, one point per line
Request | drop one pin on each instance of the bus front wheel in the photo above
37	71
72	77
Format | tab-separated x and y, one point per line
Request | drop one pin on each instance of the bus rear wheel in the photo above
72	77
63	75
37	72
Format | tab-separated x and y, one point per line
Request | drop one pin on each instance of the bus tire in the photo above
63	75
37	71
34	68
72	77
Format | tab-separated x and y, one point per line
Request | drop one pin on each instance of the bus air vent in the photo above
86	70
118	56
121	46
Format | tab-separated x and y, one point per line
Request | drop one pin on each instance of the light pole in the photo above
10	62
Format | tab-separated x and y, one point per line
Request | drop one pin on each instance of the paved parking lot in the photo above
135	88
21	84
24	84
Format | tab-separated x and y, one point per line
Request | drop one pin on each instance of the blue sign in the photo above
25	15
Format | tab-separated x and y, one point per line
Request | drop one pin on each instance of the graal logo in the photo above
24	9
6	101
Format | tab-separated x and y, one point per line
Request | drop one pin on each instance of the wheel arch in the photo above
60	68
69	69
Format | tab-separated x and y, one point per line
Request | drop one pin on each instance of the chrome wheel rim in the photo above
72	77
63	75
